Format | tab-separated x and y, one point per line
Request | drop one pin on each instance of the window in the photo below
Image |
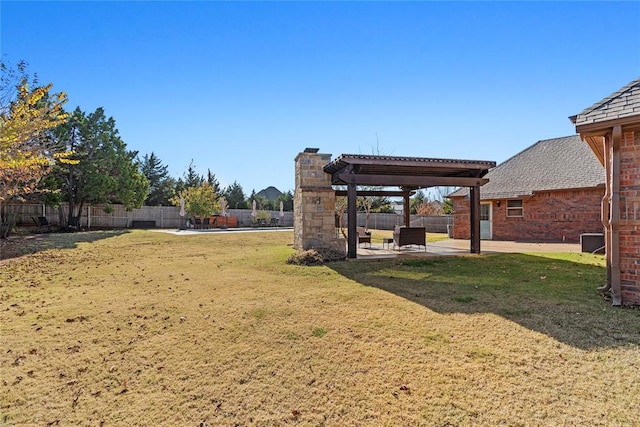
514	208
485	209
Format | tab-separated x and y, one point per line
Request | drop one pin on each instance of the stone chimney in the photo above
314	203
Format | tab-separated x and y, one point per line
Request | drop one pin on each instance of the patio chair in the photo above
206	222
42	223
364	236
273	222
197	223
74	223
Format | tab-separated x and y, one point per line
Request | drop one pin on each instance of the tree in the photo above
430	207
262	203
287	201
161	185
28	114
199	201
106	172
340	208
235	196
447	207
191	178
416	201
211	179
370	204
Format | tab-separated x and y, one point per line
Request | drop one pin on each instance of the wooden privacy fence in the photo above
169	217
386	221
94	216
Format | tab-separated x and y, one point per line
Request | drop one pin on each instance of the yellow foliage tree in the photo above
26	150
199	201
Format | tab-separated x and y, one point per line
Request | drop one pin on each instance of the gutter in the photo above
605	210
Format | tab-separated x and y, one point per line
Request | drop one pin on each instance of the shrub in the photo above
331	255
316	256
309	257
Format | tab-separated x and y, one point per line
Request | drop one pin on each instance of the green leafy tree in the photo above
199	201
447	207
287	201
262	203
161	186
235	197
416	201
105	172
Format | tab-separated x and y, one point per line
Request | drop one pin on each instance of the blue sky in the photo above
242	87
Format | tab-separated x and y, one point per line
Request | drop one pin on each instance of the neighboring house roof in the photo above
270	193
551	164
618	105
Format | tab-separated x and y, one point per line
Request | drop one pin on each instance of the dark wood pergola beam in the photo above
386	193
419	163
411	181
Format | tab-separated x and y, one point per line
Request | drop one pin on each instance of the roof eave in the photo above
602	128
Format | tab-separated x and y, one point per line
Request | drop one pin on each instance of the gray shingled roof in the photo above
623	103
552	164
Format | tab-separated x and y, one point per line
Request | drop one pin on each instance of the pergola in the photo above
408	174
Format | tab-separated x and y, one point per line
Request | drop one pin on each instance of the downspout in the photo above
616	293
605	213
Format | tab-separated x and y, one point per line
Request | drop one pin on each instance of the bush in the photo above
316	257
309	257
331	255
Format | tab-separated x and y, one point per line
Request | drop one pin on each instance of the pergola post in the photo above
406	209
352	219
474	202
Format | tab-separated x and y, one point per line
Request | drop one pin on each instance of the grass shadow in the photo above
24	244
554	294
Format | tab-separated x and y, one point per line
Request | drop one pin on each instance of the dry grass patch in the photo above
148	328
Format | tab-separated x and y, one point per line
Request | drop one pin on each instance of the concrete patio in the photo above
460	247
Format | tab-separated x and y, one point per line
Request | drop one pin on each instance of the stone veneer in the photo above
314	205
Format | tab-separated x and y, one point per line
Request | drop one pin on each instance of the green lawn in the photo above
147	328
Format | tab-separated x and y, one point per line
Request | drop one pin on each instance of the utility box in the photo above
592	243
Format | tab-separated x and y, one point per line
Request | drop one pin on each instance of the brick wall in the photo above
548	216
629	218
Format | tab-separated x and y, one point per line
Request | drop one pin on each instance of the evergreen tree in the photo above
211	179
191	178
161	185
235	196
105	172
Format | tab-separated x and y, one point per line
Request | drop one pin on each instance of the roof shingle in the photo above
620	104
552	164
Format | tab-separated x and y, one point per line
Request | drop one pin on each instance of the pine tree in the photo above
235	196
161	185
105	172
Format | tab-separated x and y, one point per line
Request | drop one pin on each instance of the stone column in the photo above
314	204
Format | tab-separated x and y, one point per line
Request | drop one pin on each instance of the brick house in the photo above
549	192
611	128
